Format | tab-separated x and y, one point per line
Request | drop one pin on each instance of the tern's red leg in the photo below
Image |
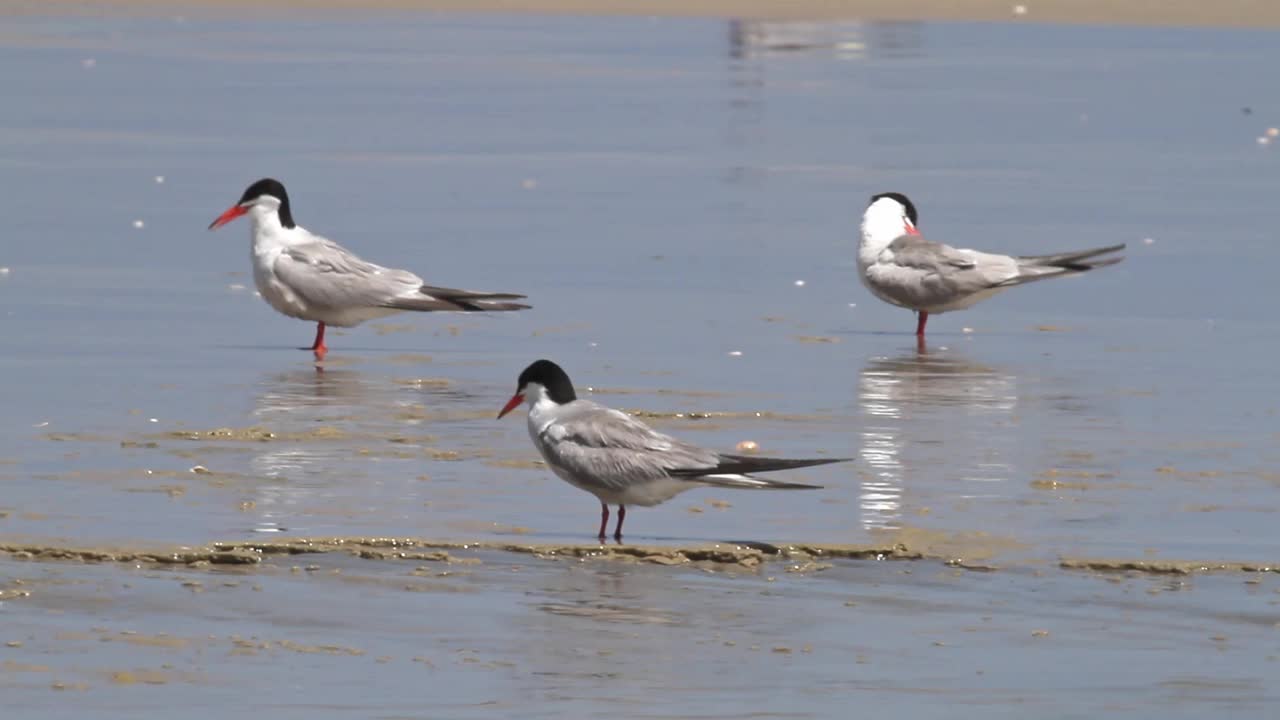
604	521
923	317
622	515
318	346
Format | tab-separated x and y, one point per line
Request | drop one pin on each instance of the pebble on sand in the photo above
139	224
735	353
748	446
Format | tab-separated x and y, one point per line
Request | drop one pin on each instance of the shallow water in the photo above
657	188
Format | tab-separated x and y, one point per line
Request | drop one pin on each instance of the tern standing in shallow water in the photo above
899	266
311	278
621	460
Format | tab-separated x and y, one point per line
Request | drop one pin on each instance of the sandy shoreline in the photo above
1199	13
961	551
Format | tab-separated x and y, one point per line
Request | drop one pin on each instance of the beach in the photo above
1063	505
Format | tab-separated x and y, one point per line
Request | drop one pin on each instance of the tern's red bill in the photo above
232	213
512	404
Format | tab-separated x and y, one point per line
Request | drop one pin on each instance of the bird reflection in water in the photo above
322	465
931	411
296	393
301	401
332	456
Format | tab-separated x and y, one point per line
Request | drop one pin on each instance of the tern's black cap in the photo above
550	376
274	188
899	197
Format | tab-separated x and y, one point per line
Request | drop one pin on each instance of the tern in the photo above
308	277
621	460
901	267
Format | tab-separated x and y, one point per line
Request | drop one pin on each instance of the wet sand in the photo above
1225	13
333	635
976	551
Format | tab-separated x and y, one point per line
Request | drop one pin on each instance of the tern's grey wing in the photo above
600	446
327	275
919	273
914	251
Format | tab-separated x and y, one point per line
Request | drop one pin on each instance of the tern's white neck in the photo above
265	229
882	223
542	409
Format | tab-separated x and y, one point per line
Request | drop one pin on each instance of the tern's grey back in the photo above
602	450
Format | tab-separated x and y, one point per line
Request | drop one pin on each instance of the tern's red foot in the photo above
318	347
922	318
604	521
318	343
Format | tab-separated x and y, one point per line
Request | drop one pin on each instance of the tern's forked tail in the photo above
1038	267
750	482
453	300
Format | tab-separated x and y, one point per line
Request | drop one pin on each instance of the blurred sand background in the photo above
1224	13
